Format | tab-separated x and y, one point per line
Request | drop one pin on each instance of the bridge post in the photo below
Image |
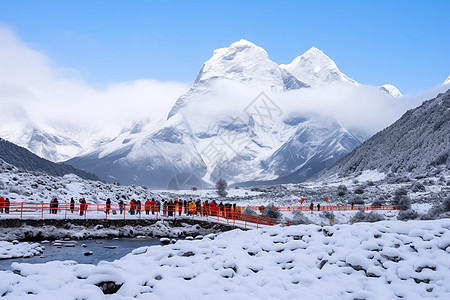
21	210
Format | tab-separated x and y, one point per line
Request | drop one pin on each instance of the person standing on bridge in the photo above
311	207
2	204
147	207
7	205
318	206
132	203
121	206
72	205
108	205
82	206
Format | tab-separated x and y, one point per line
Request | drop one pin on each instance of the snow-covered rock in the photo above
16	249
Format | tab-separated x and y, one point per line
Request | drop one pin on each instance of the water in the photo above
98	247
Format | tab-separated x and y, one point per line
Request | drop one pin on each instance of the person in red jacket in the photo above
132	208
147	207
2	204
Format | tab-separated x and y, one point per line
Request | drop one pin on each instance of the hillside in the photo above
24	159
417	144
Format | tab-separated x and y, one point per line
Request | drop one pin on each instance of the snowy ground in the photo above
384	260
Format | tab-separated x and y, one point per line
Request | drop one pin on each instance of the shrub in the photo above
408	214
401	199
371	217
299	218
271	212
359	190
221	186
249	211
417	187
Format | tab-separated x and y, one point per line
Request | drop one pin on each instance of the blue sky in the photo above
374	42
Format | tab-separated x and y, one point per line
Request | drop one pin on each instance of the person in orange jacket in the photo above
132	208
147	207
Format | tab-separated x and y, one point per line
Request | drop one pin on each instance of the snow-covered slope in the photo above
220	112
317	69
385	260
417	143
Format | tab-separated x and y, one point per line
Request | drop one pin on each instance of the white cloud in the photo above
31	86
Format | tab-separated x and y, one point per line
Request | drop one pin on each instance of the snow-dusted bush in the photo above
361	216
408	214
298	217
221	186
378	203
249	211
359	190
401	198
271	212
417	187
357	201
341	190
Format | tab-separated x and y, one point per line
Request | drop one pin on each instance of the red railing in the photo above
219	214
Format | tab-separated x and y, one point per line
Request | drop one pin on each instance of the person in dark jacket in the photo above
72	205
108	205
7	203
318	207
138	206
121	206
56	206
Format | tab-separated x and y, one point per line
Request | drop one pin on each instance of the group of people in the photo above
311	207
4	205
173	207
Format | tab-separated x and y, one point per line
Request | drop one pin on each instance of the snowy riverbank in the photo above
384	260
37	230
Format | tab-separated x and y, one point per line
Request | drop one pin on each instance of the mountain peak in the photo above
391	90
246	62
315	68
447	81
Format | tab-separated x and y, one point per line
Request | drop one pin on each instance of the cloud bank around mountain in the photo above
34	89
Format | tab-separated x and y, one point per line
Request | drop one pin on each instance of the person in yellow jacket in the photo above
192	207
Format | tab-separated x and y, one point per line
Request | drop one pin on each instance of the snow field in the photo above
384	260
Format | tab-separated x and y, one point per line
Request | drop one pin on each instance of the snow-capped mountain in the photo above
55	147
222	128
317	69
242	62
417	143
